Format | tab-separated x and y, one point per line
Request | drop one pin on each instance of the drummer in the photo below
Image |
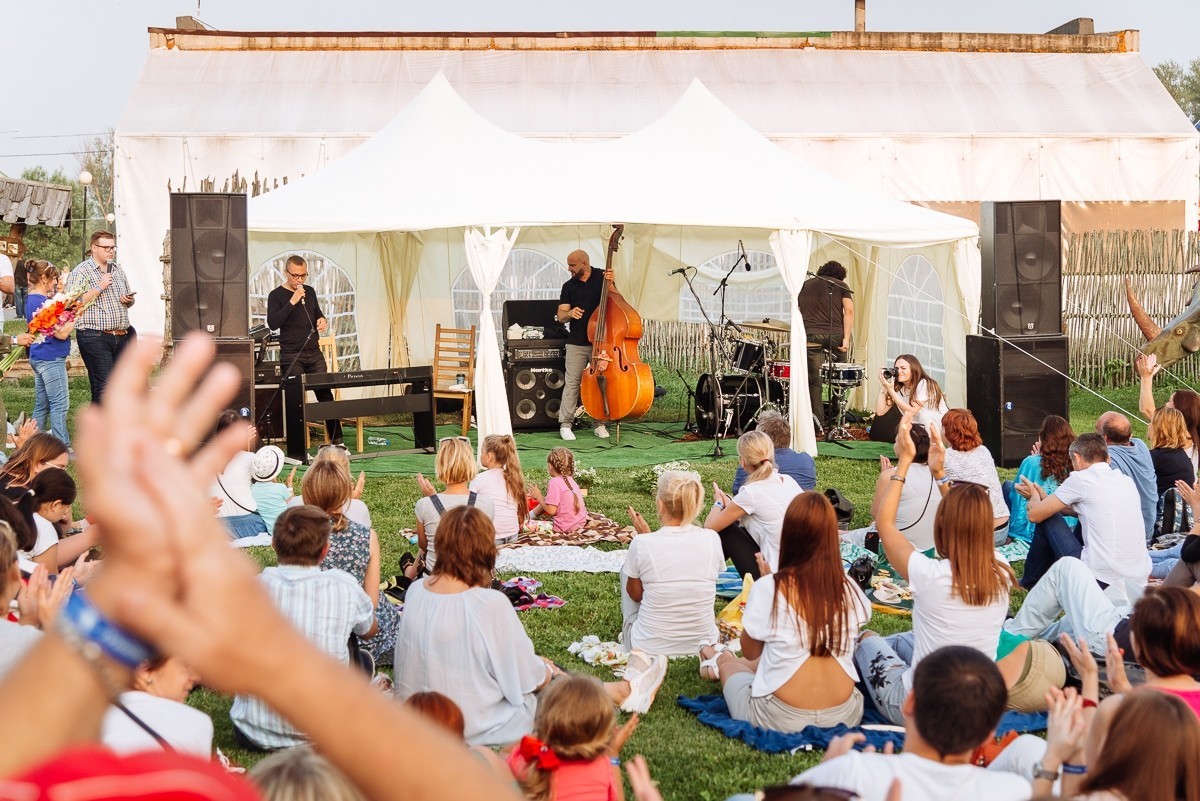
827	306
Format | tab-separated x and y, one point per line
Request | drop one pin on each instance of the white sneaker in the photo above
645	674
566	433
601	432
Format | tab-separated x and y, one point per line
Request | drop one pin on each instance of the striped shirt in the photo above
107	313
326	606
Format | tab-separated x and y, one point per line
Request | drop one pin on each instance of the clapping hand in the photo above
937	452
425	486
1114	668
1147	366
1066	727
906	449
639	523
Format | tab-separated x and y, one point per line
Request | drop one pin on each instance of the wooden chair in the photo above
454	355
329	352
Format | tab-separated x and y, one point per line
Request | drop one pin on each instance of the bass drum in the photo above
742	397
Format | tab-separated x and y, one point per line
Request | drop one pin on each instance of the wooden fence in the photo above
685	345
1104	339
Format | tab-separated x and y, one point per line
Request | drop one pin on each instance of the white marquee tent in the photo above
438	172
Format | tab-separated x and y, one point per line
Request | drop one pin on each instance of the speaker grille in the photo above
209	285
535	394
1021	293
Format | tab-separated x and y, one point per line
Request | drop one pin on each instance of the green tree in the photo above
1183	84
96	157
62	246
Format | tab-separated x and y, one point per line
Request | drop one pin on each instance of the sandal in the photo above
710	664
406	559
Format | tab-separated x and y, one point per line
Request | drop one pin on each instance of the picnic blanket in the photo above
712	711
598	528
565	558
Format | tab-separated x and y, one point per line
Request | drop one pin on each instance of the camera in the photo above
889	373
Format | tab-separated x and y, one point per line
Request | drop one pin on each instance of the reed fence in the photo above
1103	336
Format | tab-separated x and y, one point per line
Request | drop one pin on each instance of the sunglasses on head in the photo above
340	446
451	439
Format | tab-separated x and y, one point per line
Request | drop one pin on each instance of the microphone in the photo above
303	296
678	271
744	258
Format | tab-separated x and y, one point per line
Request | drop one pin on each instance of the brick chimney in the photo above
860	16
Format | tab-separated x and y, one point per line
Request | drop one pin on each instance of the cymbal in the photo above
774	326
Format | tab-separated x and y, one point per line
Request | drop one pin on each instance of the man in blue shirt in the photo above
799	466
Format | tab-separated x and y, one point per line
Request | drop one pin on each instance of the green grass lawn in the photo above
690	761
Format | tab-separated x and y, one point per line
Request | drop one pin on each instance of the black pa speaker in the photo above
1013	387
209	284
239	353
535	394
1021	251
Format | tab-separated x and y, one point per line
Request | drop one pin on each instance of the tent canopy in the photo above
441	165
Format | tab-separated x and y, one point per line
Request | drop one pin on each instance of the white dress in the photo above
471	647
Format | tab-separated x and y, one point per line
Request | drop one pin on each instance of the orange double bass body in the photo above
616	384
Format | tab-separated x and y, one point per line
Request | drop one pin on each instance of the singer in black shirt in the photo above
295	312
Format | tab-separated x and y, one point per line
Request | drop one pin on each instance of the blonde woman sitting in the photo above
669	579
455	467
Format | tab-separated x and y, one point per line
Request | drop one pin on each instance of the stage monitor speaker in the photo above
239	353
534	394
1013	387
1021	252
209	284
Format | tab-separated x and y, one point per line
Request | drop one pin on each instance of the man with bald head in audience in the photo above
1131	456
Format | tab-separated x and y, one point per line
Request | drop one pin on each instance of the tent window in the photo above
333	287
753	295
915	307
528	275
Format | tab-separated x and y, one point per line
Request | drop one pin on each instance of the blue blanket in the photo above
712	711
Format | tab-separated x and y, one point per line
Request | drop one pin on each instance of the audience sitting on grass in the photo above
919	495
574	748
154	714
563	501
270	495
461	638
749	523
968	460
956	701
1047	466
454	467
170	584
38	601
355	508
442	710
503	485
327	606
47	503
1185	400
353	548
1106	538
32	457
236	507
1130	456
668	581
800	466
961	598
1169	446
800	624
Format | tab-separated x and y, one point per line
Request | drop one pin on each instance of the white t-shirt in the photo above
678	567
6	266
232	486
490	485
785	639
187	729
1114	540
941	618
765	503
354	510
871	775
927	414
919	500
15	642
428	515
47	537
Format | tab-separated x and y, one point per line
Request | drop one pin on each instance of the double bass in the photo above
616	383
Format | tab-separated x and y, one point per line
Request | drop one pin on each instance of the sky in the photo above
83	57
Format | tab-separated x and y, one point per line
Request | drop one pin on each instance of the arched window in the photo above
915	308
754	295
527	275
331	285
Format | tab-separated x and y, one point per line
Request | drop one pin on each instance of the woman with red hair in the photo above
969	461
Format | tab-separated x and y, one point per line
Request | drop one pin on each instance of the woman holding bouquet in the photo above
48	358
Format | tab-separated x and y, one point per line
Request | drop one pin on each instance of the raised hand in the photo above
906	450
639	523
937	451
425	486
1114	668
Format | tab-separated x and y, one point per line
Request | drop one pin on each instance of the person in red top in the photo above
572	754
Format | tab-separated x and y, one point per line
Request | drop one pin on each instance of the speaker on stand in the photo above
534	368
1021	260
209	273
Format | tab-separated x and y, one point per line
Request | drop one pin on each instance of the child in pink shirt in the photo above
563	501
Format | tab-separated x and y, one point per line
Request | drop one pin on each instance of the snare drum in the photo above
780	371
843	374
748	355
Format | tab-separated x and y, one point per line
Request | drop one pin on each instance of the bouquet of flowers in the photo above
53	315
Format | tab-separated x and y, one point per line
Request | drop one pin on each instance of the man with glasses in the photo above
103	330
296	314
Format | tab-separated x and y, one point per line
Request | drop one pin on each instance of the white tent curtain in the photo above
792	250
487	251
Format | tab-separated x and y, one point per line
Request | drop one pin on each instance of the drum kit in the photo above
751	378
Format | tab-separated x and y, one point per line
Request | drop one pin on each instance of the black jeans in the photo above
739	546
100	352
828	344
312	362
1052	540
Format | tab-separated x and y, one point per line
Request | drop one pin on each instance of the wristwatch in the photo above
1040	772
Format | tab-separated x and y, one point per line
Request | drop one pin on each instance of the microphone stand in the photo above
713	336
